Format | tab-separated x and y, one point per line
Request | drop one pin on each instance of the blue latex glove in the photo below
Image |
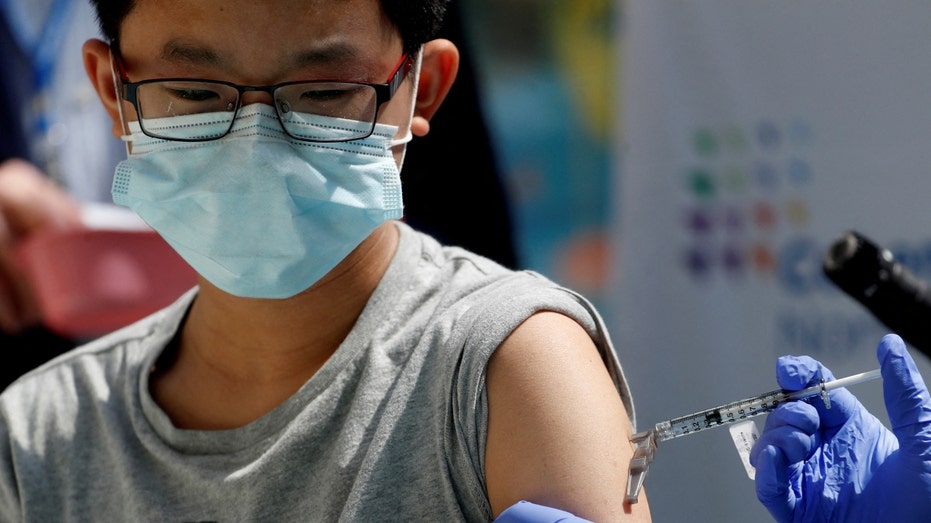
842	464
527	512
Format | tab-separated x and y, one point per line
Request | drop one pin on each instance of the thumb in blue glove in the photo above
842	464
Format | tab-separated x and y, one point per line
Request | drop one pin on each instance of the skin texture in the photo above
558	433
29	203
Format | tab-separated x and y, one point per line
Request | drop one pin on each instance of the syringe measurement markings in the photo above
750	407
729	413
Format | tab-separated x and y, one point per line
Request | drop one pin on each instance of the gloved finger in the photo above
799	372
907	401
772	484
793	429
797	414
527	512
794	444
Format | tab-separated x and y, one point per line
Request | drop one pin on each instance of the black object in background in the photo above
27	350
872	276
453	188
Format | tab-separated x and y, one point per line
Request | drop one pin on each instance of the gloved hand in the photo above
527	512
842	464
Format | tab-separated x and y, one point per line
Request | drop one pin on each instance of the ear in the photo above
97	65
437	73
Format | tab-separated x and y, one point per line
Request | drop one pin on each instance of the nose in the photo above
253	97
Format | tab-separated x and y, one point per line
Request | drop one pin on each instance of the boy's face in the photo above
263	43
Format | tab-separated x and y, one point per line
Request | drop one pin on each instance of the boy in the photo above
332	363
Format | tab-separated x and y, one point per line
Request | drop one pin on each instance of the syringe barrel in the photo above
748	408
721	415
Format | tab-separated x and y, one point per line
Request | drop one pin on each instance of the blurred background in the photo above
687	165
545	73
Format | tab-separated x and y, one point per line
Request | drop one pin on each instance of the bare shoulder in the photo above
558	432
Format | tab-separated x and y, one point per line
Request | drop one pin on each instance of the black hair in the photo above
417	20
110	15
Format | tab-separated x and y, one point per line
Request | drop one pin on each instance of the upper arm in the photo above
558	432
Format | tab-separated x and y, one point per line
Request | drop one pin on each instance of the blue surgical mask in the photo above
257	213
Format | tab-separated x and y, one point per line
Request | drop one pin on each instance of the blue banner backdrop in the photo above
754	133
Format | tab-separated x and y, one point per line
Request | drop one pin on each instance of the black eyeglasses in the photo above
313	111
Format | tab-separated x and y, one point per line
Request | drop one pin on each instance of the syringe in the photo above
735	411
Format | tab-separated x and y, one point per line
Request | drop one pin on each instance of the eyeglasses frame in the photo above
383	94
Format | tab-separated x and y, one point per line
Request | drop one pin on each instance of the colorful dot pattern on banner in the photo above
743	187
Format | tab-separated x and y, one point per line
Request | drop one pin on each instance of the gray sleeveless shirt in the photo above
392	428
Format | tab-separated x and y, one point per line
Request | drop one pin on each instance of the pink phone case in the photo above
89	282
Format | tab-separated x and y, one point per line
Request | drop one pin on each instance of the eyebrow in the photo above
178	51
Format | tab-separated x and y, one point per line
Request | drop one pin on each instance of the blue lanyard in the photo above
47	50
42	49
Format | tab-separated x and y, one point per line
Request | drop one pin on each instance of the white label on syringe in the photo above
745	435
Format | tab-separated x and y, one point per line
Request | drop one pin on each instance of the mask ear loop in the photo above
117	89
414	75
